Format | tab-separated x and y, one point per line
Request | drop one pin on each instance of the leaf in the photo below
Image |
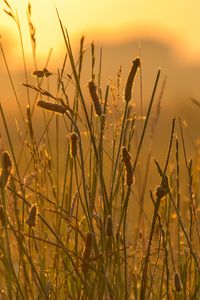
6	2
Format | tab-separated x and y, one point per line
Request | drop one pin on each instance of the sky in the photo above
175	22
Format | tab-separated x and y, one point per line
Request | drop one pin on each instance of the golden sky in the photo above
176	21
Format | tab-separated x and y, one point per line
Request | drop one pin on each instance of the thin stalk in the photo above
157	206
125	206
118	153
23	55
12	84
178	201
69	50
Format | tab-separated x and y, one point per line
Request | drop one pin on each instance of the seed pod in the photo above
87	251
73	144
95	98
130	79
177	283
31	221
109	226
51	106
6	169
126	157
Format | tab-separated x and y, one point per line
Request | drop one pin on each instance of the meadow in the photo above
79	218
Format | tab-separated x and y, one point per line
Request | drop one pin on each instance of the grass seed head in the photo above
129	174
29	121
161	192
46	72
163	189
2	217
87	251
31	221
57	108
130	79
73	144
38	73
6	162
126	158
177	282
95	97
6	169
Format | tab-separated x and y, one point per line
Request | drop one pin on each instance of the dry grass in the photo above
74	206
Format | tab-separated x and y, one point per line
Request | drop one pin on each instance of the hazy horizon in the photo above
174	23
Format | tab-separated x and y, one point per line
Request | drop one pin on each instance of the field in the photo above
86	211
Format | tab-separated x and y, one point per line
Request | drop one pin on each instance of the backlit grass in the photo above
78	219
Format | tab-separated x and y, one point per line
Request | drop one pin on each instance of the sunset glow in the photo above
99	149
175	22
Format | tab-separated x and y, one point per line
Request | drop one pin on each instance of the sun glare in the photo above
108	22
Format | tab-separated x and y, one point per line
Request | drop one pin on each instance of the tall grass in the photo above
72	223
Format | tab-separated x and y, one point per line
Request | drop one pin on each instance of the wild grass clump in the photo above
78	218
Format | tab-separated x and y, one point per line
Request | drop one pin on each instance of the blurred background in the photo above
165	34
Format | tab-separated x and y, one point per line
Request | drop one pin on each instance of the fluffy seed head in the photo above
51	106
31	221
95	97
130	79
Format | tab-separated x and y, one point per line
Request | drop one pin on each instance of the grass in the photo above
78	221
